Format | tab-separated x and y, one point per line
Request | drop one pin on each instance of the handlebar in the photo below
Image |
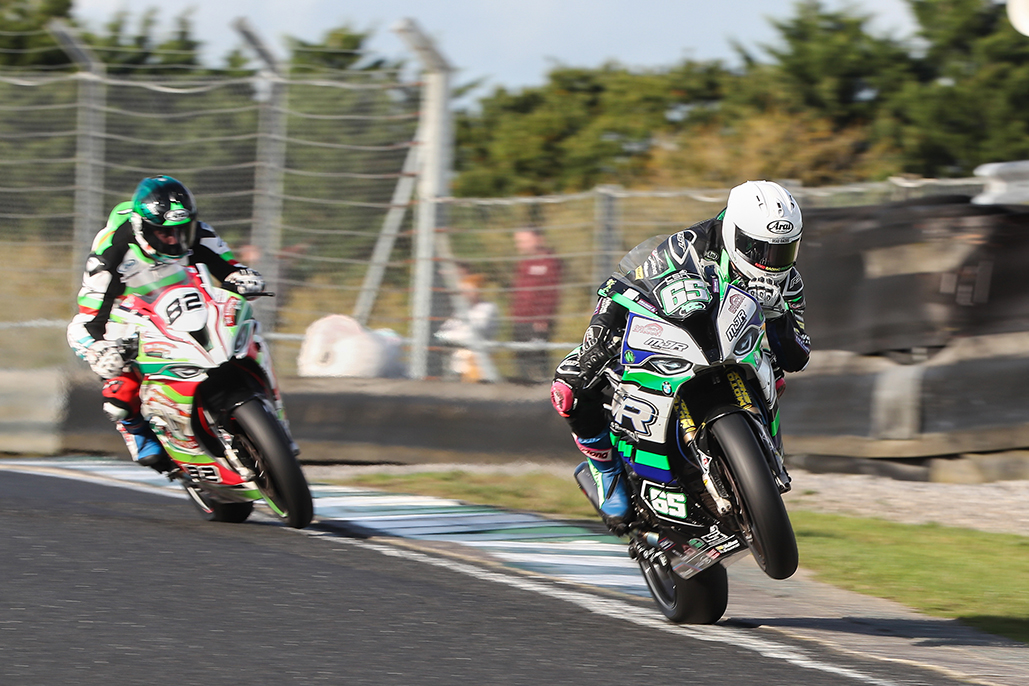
249	296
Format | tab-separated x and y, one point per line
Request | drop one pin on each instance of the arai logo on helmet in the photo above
780	226
175	216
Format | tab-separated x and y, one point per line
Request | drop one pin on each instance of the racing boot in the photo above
608	479
144	445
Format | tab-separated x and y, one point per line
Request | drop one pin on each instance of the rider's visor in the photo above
173	239
771	257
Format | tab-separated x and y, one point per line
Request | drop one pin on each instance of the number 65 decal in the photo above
685	295
665	503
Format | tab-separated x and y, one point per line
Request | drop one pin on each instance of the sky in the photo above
510	43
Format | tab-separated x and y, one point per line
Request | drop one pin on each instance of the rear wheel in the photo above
214	511
760	511
278	474
701	599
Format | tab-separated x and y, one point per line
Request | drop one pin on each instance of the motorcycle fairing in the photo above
658	356
697	542
647	336
211	326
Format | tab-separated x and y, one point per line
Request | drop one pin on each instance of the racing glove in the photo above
107	359
245	282
768	295
599	346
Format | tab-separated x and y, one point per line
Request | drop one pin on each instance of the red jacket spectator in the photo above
534	303
536	282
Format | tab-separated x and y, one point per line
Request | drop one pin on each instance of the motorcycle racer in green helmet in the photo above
147	243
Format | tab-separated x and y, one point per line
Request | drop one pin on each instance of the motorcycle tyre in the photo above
773	544
212	511
288	486
701	599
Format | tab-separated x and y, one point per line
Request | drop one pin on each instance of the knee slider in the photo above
562	397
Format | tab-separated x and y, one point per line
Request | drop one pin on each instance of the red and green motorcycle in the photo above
210	394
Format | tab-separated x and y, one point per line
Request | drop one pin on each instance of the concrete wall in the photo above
32	408
971	397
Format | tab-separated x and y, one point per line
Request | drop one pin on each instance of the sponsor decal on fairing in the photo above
665	502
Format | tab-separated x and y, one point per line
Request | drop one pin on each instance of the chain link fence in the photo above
588	233
303	176
298	175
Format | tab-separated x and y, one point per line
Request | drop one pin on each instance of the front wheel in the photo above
761	513
278	474
701	599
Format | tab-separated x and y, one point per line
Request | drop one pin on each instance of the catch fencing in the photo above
309	177
589	232
297	173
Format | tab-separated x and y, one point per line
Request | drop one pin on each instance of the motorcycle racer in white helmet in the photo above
760	231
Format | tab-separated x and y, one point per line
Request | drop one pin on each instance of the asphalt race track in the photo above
104	585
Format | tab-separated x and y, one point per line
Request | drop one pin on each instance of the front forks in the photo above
722	503
230	458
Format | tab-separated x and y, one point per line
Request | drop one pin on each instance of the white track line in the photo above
617	609
607	607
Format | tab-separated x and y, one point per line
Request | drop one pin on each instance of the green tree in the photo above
144	53
24	41
810	112
828	65
340	49
970	103
582	127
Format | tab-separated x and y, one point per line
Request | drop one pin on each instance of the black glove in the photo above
599	346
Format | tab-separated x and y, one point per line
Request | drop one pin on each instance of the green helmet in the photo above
164	215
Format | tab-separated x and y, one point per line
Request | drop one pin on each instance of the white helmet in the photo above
761	229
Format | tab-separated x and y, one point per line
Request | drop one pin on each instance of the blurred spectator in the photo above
534	303
479	323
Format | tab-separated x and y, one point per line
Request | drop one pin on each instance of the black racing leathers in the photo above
787	338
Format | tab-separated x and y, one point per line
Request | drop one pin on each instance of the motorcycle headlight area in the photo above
184	371
747	341
668	366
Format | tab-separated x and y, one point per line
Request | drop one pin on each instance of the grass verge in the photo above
979	578
982	579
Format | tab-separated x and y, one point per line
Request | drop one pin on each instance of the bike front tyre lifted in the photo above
760	510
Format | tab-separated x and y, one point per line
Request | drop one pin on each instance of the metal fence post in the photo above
266	235
608	237
387	237
436	159
89	153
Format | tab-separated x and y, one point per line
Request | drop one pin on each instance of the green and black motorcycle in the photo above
695	418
